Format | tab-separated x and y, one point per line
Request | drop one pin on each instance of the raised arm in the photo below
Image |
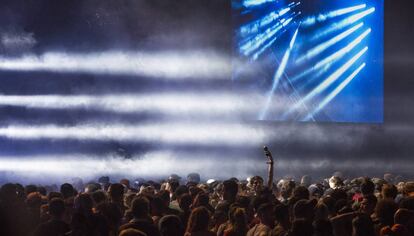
270	164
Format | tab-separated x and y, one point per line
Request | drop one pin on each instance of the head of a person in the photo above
52	195
42	190
301	227
30	189
8	193
368	204
132	232
230	190
367	187
84	203
56	207
335	182
116	192
112	214
304	209
170	225
256	183
265	214
184	202
408	188
193	178
385	211
199	220
182	189
407	203
301	192
362	225
140	207
238	220
389	191
321	211
330	203
157	206
306	181
99	197
202	199
67	190
34	200
286	188
404	217
125	182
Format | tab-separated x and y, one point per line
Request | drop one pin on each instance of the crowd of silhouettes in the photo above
336	206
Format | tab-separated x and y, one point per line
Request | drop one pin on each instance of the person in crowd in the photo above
56	225
141	217
84	220
266	221
198	223
171	225
336	206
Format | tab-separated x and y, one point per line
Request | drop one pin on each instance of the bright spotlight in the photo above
327	82
325	45
255	43
255	3
177	133
328	61
170	104
162	65
343	23
335	92
258	25
278	75
323	17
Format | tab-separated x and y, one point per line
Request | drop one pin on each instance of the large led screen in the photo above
311	60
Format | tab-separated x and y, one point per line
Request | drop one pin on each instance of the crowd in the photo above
176	207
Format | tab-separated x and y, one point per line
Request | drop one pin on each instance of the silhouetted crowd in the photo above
175	207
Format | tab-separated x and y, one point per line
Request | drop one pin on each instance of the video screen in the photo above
310	60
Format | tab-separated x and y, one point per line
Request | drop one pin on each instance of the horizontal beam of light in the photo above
258	25
343	23
254	3
162	163
165	103
325	45
279	72
328	61
151	164
335	92
163	65
255	43
323	17
327	82
176	133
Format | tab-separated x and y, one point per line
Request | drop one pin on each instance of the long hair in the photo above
199	220
238	221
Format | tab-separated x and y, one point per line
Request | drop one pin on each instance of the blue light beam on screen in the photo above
260	39
328	61
260	24
278	74
254	3
335	92
343	23
326	83
325	45
323	17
